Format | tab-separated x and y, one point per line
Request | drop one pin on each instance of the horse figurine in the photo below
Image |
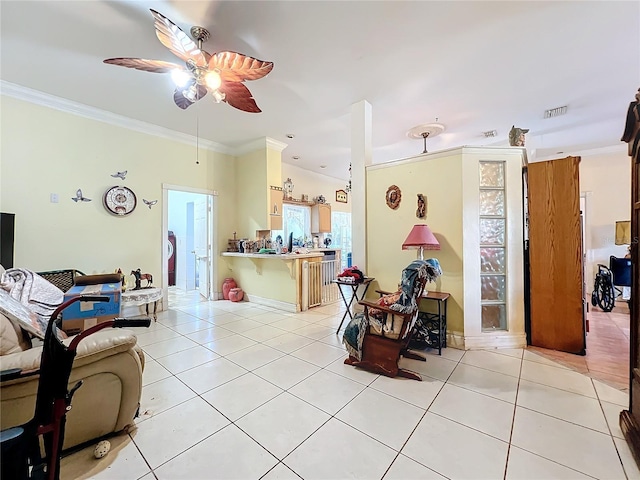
141	276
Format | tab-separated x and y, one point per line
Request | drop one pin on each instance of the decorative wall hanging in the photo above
149	203
421	212
120	200
393	197
341	196
120	175
516	136
79	197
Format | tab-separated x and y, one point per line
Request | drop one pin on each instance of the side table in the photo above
143	296
431	328
354	295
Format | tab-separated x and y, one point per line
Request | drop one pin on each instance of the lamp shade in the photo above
623	232
421	236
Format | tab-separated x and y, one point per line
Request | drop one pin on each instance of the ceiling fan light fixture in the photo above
218	96
213	80
222	74
180	77
191	93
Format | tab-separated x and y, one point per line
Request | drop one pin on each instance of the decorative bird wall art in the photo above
79	197
120	175
149	203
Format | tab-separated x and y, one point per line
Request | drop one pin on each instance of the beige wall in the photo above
252	194
439	179
605	179
47	151
314	184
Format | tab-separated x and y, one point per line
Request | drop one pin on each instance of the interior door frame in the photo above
213	215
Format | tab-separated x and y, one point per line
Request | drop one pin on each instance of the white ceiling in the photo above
475	66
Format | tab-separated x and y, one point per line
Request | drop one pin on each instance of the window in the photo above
341	234
493	252
297	220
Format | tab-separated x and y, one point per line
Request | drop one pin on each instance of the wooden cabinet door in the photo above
325	218
275	208
555	255
321	218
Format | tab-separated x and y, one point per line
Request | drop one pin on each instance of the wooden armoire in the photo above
555	275
630	419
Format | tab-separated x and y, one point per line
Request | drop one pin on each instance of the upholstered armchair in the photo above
376	338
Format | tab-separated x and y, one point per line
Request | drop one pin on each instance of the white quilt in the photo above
33	291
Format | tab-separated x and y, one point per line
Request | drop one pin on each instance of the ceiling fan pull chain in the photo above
197	139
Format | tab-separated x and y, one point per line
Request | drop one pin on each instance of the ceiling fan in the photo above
220	74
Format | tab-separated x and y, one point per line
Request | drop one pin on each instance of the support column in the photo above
361	156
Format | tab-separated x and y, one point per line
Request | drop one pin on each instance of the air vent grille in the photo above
555	112
490	133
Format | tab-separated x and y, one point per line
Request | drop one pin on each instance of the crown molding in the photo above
62	104
260	144
549	154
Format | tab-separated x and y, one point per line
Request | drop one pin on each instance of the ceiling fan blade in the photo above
180	44
235	67
238	96
155	66
182	101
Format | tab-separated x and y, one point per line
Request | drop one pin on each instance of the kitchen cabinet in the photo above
275	208
321	218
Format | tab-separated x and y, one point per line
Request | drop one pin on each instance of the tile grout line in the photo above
421	418
513	419
610	432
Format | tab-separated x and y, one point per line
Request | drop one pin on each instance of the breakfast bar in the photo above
273	280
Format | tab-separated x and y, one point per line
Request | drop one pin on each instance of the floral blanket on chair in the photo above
412	278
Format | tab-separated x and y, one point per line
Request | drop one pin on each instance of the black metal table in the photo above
354	295
431	328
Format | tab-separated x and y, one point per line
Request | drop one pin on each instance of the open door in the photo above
555	256
202	244
189	214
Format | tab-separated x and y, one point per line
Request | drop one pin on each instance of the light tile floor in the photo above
240	391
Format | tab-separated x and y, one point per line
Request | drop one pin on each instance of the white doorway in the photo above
188	243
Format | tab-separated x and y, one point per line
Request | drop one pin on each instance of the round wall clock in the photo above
120	200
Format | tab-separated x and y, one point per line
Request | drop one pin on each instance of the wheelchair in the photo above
32	451
607	281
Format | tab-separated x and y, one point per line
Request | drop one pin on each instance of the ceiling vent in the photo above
555	112
490	133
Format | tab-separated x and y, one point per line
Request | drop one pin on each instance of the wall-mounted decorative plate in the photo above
120	200
393	197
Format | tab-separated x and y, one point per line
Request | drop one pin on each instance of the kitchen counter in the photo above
281	256
270	279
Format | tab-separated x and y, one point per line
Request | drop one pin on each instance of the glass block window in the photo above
493	254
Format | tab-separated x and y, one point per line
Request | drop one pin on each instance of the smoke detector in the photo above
555	112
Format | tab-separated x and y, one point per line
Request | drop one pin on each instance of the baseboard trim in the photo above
268	302
455	340
489	341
